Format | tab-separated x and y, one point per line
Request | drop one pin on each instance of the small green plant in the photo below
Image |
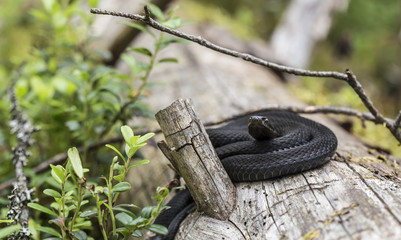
75	203
67	89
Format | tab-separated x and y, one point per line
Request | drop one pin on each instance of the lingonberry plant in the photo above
76	203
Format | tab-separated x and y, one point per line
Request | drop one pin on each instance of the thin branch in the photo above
355	84
348	76
201	41
363	116
397	121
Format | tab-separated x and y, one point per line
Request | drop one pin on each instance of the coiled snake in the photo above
264	145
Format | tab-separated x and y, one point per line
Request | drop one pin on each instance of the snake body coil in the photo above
292	144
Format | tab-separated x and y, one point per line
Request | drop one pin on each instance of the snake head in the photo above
260	128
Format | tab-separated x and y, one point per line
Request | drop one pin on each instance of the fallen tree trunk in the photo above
355	196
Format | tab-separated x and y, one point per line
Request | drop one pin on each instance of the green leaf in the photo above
139	27
120	209
121	187
137	233
128	150
58	222
155	10
4	232
84	202
134	139
118	167
144	138
58	173
73	155
49	230
52	193
115	150
132	150
88	214
127	134
137	221
84	224
6	221
124	231
119	178
172	60
142	50
41	208
138	163
80	235
147	211
157	228
123	218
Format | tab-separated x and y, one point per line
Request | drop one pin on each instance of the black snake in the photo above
264	145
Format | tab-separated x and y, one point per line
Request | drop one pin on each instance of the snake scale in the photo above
264	145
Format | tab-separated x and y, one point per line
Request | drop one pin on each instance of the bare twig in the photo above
353	82
201	41
307	110
397	120
348	76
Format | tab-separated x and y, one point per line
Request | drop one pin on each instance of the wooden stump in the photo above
194	157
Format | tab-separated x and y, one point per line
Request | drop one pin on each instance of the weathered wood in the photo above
341	200
195	159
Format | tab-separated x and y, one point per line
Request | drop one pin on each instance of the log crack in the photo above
339	216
